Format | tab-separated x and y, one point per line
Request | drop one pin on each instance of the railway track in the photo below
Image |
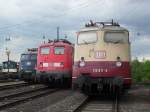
10	85
13	99
6	80
98	105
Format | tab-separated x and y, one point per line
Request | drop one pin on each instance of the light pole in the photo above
44	39
57	33
8	54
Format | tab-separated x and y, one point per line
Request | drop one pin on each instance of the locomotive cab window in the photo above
33	57
28	56
24	56
116	37
87	37
59	50
5	65
45	50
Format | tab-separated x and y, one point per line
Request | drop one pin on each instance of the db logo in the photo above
100	54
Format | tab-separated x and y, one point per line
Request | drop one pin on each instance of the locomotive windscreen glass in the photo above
33	57
116	37
45	50
59	50
5	65
11	65
87	37
28	56
25	57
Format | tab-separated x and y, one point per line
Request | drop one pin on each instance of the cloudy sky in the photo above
26	21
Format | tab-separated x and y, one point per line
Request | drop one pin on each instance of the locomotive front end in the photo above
102	58
55	62
28	61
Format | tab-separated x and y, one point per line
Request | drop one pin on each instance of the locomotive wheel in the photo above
34	80
67	82
85	89
75	86
27	80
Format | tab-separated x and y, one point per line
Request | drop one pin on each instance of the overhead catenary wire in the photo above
134	9
82	5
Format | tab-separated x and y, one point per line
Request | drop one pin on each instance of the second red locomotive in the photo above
54	62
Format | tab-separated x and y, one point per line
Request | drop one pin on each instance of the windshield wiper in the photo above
116	42
85	42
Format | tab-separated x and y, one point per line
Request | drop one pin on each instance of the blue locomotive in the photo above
28	63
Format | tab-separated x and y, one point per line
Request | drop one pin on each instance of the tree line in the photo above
140	70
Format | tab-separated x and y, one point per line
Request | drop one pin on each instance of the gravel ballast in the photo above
19	90
40	103
66	105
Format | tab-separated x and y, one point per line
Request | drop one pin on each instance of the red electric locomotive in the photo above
54	62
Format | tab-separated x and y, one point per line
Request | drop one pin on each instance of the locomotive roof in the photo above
9	61
25	53
31	51
102	26
96	28
57	42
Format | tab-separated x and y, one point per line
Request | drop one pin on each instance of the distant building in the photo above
10	66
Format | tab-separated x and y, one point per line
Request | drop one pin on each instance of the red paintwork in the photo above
66	58
103	69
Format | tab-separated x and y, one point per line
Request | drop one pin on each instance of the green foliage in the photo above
140	71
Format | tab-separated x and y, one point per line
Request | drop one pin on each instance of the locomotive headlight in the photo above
118	64
28	63
21	68
82	63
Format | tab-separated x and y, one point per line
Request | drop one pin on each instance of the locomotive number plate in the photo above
45	64
100	54
57	65
100	70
